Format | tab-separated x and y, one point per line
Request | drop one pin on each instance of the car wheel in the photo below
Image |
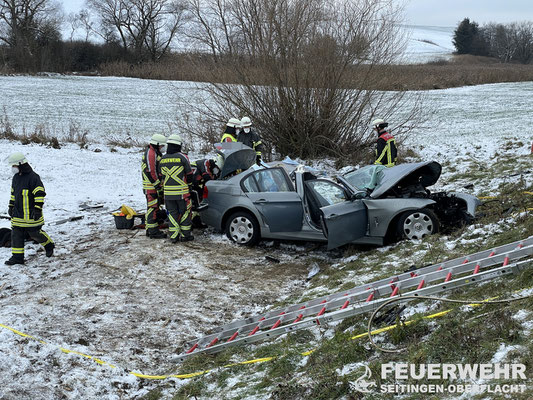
243	228
416	224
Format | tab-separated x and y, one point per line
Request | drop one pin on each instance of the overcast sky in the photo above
438	12
451	12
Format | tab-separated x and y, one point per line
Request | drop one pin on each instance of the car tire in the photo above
416	224
242	228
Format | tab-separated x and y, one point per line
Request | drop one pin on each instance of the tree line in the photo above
104	31
506	42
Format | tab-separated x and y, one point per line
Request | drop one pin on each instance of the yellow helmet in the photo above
175	139
16	159
158	139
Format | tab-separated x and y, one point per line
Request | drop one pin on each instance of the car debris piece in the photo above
315	269
273	259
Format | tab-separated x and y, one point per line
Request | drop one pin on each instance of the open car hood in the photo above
236	156
379	180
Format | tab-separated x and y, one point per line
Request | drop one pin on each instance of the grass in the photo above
461	70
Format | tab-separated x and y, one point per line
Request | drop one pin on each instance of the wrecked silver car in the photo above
367	206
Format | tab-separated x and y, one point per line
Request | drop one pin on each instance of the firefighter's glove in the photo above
37	214
10	211
258	160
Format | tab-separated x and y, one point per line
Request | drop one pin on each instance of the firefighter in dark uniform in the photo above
231	131
152	186
177	176
26	209
251	139
202	171
386	151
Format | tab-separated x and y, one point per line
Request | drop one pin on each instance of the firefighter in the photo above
152	186
250	138
177	177
202	171
386	151
230	133
26	209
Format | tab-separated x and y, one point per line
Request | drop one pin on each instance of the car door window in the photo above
266	180
328	193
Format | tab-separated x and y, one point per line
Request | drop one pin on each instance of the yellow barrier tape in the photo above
258	360
495	197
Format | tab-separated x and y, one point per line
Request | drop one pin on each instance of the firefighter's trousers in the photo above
17	239
179	215
153	203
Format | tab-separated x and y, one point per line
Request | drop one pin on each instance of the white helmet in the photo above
246	122
16	159
158	139
219	161
175	139
379	123
234	123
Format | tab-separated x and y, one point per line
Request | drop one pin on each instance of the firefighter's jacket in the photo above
201	172
177	175
150	169
27	196
251	139
386	152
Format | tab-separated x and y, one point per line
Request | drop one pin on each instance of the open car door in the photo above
342	220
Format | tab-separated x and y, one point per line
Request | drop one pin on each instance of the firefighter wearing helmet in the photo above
250	138
386	151
152	186
177	178
26	209
230	133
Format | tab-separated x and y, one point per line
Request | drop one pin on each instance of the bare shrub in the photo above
305	70
126	143
6	130
40	135
77	135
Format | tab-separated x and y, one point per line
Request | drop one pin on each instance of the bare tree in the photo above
303	70
82	21
522	34
24	22
146	27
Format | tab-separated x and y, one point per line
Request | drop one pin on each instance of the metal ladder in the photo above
437	278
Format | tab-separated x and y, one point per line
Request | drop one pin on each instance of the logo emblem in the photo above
362	384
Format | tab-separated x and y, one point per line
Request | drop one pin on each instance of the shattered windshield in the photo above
365	178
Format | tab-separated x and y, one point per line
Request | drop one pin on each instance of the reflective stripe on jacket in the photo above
386	152
252	140
27	195
201	172
150	167
228	137
176	174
